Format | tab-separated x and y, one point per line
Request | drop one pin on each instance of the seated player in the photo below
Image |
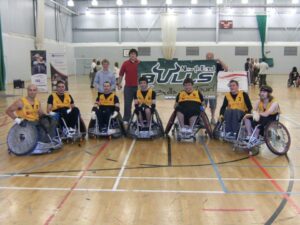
26	108
235	105
61	104
144	102
107	105
266	110
294	77
188	105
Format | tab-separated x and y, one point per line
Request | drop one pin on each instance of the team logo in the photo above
177	74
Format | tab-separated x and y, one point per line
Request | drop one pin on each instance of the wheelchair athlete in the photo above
26	108
144	102
188	106
61	106
107	106
235	105
32	129
265	111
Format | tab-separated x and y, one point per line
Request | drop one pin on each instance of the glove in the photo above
18	121
114	115
256	116
52	113
69	110
93	115
202	109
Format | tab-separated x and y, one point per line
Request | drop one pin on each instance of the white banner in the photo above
39	69
225	77
58	68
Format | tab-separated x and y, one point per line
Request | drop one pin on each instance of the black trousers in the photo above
71	119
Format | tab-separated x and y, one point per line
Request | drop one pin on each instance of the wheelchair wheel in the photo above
170	122
91	126
277	138
159	122
206	124
21	140
217	130
82	128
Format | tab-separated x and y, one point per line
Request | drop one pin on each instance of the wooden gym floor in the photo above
157	182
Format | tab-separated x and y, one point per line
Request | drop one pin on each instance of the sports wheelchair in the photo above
33	138
275	136
114	128
68	133
155	129
186	134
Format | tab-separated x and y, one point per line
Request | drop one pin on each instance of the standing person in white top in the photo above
93	72
263	68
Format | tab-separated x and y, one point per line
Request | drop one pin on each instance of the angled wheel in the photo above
159	122
206	124
170	122
21	140
277	138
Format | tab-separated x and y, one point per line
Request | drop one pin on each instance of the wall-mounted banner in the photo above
58	68
166	76
39	69
225	77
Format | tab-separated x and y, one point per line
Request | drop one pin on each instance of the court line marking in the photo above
149	178
116	184
65	198
215	167
228	210
276	185
146	191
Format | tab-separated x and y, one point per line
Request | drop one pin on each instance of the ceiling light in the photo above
144	2
94	3
119	2
70	3
194	2
169	2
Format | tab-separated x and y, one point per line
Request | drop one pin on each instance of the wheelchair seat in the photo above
136	130
114	128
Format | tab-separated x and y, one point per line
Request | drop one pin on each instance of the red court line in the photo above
62	202
229	210
276	185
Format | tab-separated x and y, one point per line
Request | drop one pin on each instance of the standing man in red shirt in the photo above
129	69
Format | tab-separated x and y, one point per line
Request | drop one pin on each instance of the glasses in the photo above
60	86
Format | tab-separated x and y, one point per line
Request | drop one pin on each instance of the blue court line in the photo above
215	169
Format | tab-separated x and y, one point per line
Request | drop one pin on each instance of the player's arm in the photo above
10	111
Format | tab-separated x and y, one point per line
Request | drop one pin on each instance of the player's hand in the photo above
51	113
69	110
256	116
18	121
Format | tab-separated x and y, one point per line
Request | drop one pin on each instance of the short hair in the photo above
188	80
234	81
116	64
143	79
105	61
106	82
133	50
60	82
